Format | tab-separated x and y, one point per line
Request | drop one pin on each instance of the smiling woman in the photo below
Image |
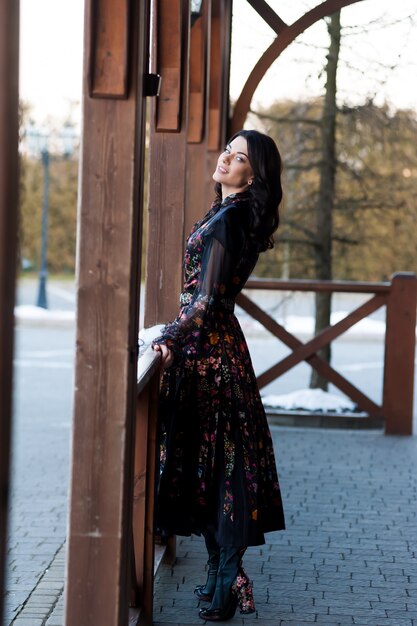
234	172
218	473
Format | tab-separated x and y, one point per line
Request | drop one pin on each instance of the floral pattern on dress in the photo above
217	458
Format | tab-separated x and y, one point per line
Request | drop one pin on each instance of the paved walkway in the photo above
348	556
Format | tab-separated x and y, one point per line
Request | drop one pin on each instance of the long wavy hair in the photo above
266	190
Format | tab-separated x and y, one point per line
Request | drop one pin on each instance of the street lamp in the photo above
38	144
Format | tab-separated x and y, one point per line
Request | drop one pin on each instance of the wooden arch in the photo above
285	36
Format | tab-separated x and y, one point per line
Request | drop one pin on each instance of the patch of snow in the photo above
315	400
147	335
28	313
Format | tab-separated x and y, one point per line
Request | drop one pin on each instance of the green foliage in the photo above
375	210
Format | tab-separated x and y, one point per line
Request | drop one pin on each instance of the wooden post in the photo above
196	205
9	185
218	98
108	257
400	342
167	166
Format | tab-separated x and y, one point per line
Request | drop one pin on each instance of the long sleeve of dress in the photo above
211	289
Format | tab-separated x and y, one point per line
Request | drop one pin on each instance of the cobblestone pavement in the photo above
349	554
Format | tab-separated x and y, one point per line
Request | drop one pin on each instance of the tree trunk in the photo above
323	247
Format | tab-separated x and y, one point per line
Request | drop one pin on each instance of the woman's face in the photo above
233	171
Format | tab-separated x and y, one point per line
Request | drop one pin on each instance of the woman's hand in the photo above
166	354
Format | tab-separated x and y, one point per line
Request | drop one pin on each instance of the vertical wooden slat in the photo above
144	496
196	205
169	59
220	49
108	257
9	184
399	355
197	82
167	197
108	52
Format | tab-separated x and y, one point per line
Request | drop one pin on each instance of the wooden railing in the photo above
400	298
143	549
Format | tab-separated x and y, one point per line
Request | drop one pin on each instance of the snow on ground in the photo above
27	313
314	400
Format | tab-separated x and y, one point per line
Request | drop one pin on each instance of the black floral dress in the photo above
217	459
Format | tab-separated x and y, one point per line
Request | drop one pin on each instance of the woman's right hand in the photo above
167	356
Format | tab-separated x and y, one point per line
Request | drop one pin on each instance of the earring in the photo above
250	182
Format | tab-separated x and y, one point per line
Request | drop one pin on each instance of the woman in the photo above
218	475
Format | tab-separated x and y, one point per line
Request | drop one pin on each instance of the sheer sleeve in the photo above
216	270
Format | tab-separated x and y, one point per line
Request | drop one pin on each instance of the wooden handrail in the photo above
317	285
400	298
148	363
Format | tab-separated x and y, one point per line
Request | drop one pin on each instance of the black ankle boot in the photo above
205	592
224	602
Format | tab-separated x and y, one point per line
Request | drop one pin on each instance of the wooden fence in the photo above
400	298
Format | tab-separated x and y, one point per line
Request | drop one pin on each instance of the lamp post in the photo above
43	269
38	145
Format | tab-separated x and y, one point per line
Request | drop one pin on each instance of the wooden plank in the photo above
196	204
108	259
317	285
315	361
108	48
170	58
166	206
198	78
400	344
9	185
268	14
219	73
329	334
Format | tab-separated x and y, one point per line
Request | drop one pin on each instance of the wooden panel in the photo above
219	71
399	355
197	80
196	204
169	17
9	184
108	48
108	257
167	199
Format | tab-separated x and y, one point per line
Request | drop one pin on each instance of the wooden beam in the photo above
9	185
197	80
220	48
399	355
287	36
167	197
108	49
196	204
108	278
268	14
170	53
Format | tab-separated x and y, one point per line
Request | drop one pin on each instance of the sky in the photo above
378	55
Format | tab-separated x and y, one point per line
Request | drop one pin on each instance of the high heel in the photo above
232	588
243	590
222	614
205	592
